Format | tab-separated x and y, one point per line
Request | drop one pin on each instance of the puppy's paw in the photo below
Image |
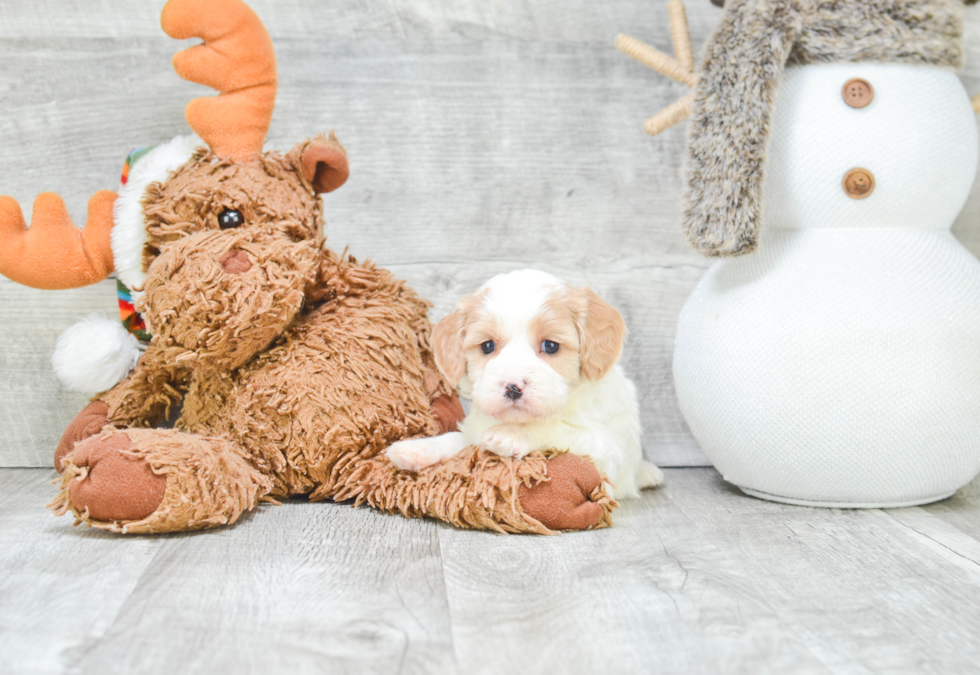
506	440
649	476
413	455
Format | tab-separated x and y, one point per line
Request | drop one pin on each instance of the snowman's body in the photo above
840	363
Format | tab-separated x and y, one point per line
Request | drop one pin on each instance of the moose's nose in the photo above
235	261
513	392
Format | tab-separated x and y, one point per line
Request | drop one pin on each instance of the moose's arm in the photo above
342	281
146	398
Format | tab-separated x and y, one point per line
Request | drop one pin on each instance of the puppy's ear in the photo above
447	346
601	333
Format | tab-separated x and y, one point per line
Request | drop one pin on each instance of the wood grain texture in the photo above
483	137
693	578
61	588
304	588
699	578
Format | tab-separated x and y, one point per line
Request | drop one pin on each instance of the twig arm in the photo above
669	116
655	59
681	34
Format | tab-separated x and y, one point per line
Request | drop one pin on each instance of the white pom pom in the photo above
95	355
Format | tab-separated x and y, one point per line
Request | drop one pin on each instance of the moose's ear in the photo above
323	162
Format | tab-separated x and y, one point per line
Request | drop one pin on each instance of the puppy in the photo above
538	360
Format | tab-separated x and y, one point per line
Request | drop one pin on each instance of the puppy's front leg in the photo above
508	440
417	453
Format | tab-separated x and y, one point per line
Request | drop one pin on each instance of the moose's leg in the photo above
158	480
541	493
143	399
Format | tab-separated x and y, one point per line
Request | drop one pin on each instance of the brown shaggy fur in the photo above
293	369
743	63
271	193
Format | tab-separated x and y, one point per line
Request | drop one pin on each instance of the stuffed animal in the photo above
839	363
282	368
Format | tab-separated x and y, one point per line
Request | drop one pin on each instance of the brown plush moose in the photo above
287	368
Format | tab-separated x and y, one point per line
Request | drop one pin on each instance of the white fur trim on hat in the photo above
95	355
129	224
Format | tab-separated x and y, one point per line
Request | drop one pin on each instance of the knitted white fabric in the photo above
918	137
840	364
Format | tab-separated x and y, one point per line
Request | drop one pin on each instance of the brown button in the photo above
858	93
859	183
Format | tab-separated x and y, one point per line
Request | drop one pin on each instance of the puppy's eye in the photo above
230	219
488	346
549	347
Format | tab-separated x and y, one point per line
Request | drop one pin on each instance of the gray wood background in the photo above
483	137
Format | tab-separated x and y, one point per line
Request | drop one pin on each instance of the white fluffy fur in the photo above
95	355
599	419
129	228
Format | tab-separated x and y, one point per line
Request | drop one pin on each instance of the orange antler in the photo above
53	253
680	68
237	59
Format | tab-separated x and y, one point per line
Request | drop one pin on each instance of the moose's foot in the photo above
571	499
112	482
88	422
157	480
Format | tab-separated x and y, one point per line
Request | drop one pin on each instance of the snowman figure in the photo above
831	356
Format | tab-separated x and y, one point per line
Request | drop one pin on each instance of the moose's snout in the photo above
235	261
513	392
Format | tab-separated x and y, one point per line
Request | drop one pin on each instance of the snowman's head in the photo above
735	114
906	159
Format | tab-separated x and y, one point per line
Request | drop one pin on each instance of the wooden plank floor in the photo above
694	578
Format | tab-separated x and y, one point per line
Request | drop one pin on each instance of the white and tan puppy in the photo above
538	360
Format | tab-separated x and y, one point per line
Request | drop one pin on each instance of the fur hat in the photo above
743	62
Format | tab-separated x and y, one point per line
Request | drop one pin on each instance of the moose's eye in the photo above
549	347
488	346
230	219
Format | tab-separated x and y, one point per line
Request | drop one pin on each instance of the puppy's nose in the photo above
513	392
235	261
